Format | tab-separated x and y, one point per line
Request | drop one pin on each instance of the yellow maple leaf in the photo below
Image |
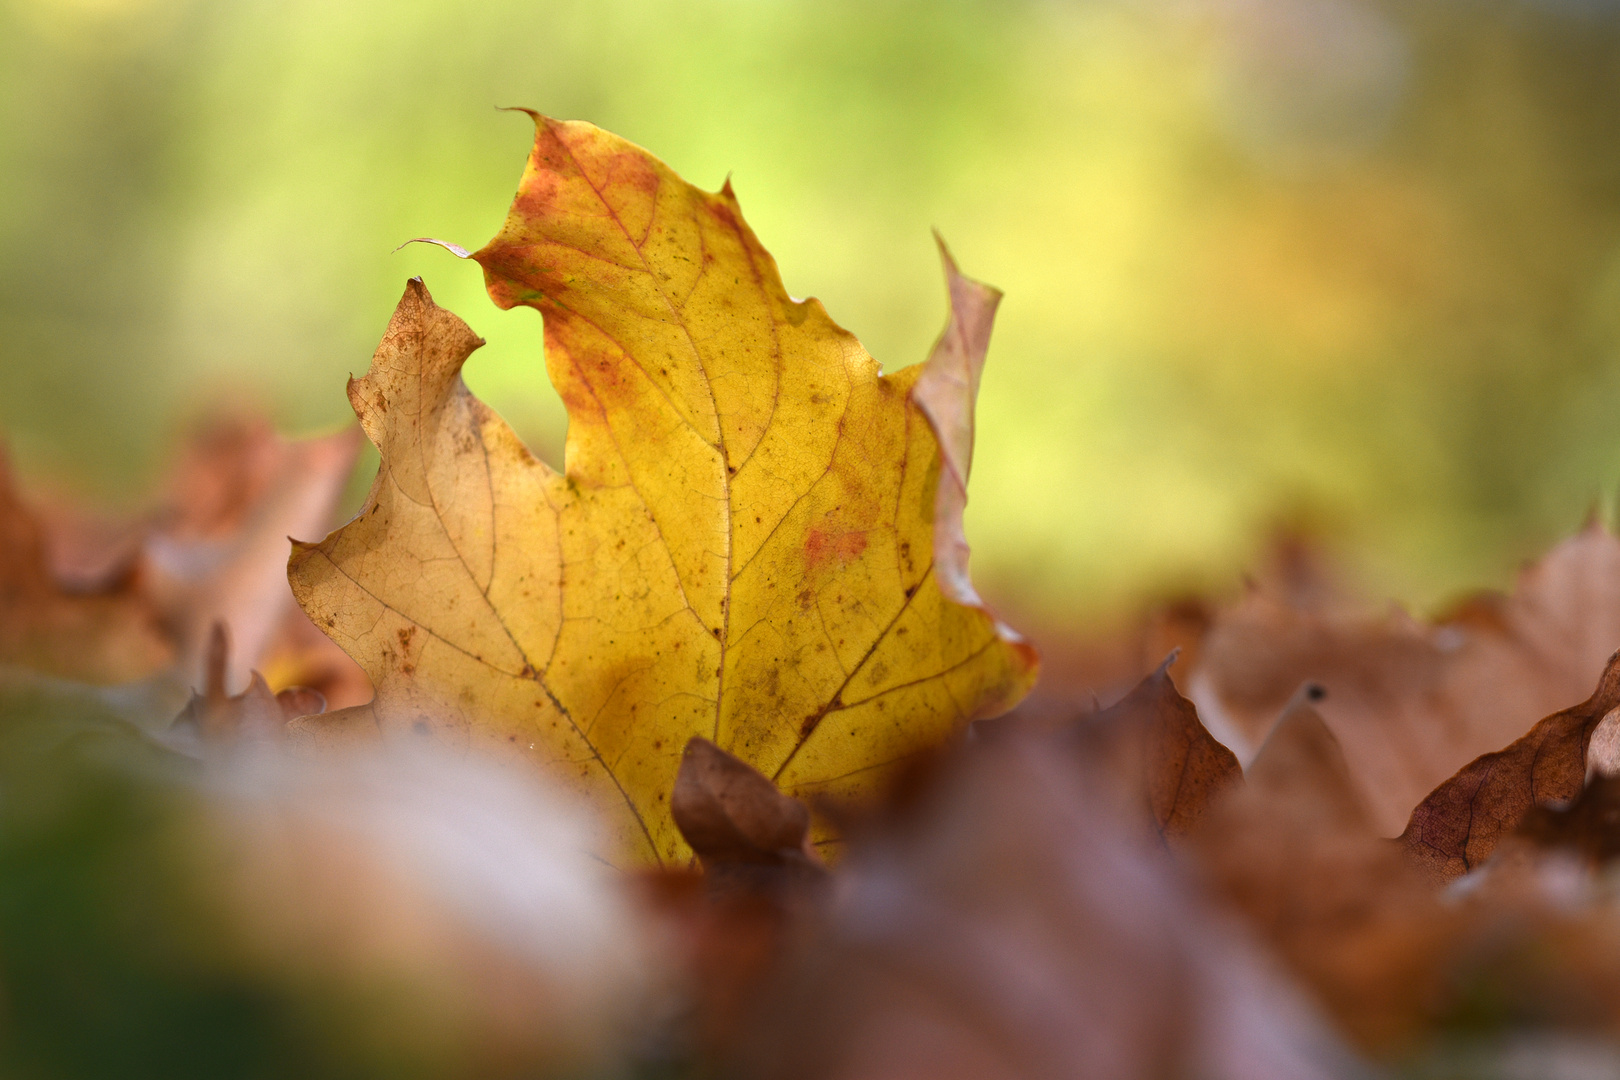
756	538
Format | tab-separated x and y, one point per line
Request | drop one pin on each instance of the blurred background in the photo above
1343	267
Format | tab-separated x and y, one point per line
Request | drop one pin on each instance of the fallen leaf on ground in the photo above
761	882
1294	850
746	544
1153	736
1589	826
143	590
1020	921
215	716
1411	702
744	831
219	551
112	634
1457	827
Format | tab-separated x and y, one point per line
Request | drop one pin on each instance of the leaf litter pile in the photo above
702	757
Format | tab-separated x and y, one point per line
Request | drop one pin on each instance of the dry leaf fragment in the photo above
1183	769
1302	764
110	635
1458	825
741	547
258	713
762	881
744	831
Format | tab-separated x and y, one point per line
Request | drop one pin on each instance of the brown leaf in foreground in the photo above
1018	921
760	882
1294	851
1589	827
1457	827
113	634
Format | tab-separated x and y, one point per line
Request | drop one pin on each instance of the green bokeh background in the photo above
1345	265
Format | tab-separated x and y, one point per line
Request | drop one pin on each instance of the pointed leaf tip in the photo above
1158	742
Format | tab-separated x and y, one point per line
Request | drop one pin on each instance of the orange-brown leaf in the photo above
1018	922
114	634
1182	767
1293	851
1457	827
215	716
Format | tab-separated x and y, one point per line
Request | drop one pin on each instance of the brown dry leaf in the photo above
1412	702
1539	951
114	633
1589	827
144	591
219	551
215	716
1154	733
1020	921
1294	851
761	880
1458	825
756	538
736	821
1086	663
